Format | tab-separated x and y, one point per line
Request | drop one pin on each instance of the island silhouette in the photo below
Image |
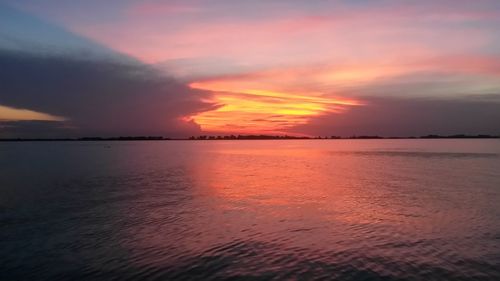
250	137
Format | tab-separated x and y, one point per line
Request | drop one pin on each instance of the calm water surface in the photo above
250	210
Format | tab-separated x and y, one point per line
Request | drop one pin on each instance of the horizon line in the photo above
251	137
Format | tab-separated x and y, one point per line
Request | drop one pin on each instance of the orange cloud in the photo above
18	114
257	110
277	99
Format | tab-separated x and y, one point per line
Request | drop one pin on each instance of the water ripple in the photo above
250	211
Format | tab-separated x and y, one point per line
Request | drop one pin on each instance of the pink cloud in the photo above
149	8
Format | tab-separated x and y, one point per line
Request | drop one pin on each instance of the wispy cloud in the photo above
21	114
397	116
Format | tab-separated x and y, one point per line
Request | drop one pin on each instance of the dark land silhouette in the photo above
248	137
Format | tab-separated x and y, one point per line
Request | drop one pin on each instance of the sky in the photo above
313	68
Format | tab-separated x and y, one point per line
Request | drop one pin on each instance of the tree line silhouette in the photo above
248	137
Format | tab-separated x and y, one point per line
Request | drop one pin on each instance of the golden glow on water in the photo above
295	183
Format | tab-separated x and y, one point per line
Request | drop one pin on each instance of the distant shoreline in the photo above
241	137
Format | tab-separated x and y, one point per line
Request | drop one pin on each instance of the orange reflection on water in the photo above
291	183
344	200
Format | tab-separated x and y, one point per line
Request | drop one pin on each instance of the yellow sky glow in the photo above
17	114
262	111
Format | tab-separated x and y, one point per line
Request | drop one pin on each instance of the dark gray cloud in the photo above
99	91
99	96
35	129
392	116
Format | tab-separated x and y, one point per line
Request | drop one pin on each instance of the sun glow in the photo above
246	110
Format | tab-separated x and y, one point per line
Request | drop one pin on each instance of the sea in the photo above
408	209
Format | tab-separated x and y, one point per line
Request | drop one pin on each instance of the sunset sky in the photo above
181	68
